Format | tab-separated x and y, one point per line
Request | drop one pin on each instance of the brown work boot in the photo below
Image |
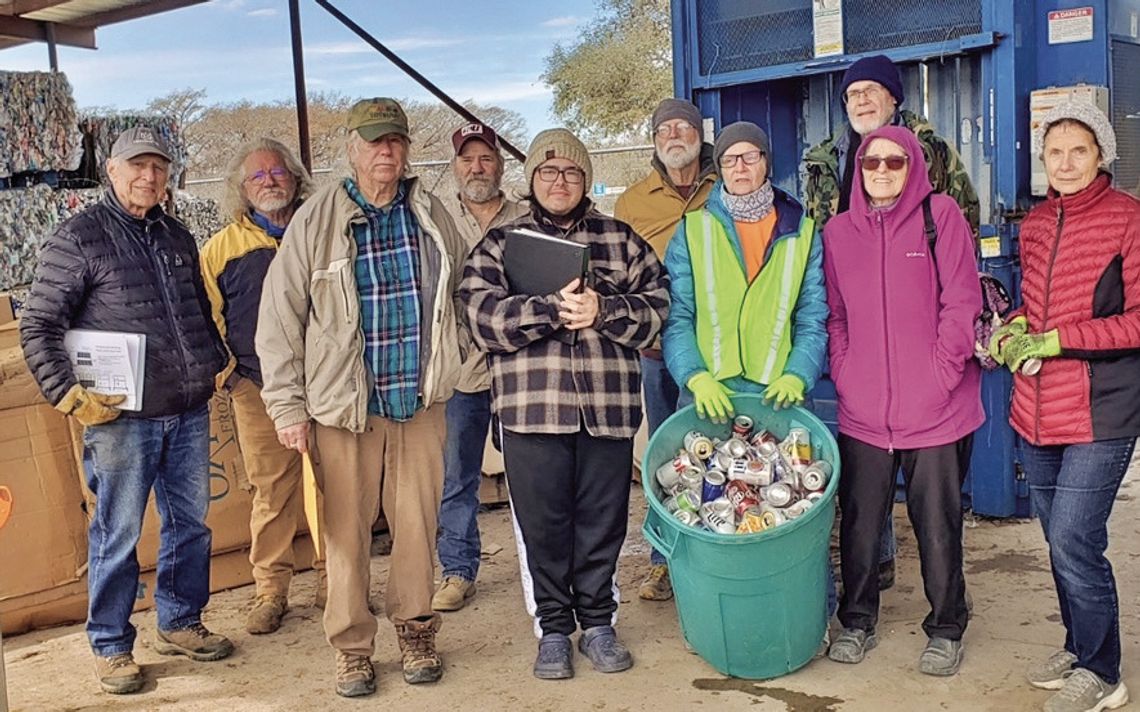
656	586
322	597
266	615
417	643
355	676
118	674
452	594
195	642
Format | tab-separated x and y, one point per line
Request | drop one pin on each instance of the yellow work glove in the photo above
1027	346
711	398
88	407
1003	335
785	391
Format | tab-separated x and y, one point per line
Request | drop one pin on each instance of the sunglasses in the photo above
872	163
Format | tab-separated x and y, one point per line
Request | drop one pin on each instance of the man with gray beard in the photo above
681	176
478	171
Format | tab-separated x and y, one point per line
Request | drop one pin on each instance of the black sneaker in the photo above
554	661
605	651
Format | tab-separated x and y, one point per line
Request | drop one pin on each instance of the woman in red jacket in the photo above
1078	407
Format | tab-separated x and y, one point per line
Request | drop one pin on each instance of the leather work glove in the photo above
785	391
1003	335
1026	346
711	398
88	407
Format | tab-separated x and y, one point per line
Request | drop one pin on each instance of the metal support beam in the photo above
26	7
407	69
132	12
53	56
299	86
69	35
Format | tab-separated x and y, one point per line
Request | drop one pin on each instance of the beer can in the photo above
713	485
733	448
692	479
670	503
698	444
815	476
772	517
751	523
742	427
688	500
797	447
763	436
1031	366
797	509
742	497
686	517
721	461
718	518
778	494
758	474
814	497
668	475
738	469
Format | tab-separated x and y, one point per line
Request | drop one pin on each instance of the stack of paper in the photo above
111	362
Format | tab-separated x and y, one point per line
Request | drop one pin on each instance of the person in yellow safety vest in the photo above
748	301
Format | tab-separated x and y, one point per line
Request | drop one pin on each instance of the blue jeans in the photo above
468	417
1072	488
123	461
661	394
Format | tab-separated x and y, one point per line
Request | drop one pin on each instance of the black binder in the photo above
539	264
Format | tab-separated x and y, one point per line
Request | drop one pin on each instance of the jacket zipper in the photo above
1045	313
164	276
886	337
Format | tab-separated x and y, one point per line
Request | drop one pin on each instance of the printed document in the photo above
111	362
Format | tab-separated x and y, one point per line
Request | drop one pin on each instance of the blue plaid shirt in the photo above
388	282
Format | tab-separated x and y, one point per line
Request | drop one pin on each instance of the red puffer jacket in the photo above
1080	260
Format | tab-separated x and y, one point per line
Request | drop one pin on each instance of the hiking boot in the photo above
554	661
452	594
355	676
605	651
265	617
322	595
118	674
941	657
1050	674
656	586
417	644
851	645
1084	691
886	574
195	642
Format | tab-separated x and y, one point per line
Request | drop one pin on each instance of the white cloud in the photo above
400	44
564	21
503	92
263	12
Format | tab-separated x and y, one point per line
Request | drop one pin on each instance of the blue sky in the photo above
239	49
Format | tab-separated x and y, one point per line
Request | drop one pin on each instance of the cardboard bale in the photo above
17	387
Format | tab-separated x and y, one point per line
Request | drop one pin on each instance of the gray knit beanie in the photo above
557	143
735	133
670	109
1084	113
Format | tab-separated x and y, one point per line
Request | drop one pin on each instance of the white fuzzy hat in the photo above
1083	112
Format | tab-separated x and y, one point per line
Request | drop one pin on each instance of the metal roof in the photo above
72	22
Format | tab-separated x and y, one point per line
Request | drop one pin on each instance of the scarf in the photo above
750	207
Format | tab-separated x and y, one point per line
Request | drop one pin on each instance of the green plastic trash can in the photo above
752	605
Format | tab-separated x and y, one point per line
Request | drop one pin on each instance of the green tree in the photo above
608	80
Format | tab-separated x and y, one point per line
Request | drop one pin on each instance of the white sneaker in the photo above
1084	691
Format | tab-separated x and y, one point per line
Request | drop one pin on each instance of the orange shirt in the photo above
754	239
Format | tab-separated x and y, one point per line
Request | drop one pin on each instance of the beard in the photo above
679	159
272	202
480	190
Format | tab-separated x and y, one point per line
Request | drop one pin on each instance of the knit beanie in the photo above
1085	113
876	68
735	133
670	109
557	143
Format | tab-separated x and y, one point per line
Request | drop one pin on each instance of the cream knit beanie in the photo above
557	143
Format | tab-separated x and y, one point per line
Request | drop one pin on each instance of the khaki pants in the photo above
401	465
278	502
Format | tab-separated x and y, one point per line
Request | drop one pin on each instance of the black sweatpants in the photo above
934	477
570	500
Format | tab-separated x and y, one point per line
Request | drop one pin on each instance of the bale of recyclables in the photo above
753	606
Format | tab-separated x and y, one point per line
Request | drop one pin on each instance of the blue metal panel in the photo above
774	106
1075	62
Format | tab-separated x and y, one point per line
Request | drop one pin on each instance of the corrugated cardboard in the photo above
7	312
17	387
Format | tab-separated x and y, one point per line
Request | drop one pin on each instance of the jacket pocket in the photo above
936	374
330	296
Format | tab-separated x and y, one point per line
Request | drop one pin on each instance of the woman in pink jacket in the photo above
901	347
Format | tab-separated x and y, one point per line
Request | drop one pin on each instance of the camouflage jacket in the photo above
948	175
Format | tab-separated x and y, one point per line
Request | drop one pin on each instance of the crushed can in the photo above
698	445
718	517
742	427
763	436
733	448
797	509
796	448
688	500
779	494
692	479
759	473
713	486
742	497
686	517
751	523
772	517
815	476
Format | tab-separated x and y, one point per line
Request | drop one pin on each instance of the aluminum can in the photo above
668	475
759	473
692	479
1031	366
742	497
815	476
721	461
670	503
742	427
688	500
713	485
778	494
797	447
718	517
698	444
814	497
772	517
763	436
738	468
733	447
686	517
797	509
751	523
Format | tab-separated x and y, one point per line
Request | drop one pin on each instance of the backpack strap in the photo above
931	238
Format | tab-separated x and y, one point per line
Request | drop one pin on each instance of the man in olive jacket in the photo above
357	332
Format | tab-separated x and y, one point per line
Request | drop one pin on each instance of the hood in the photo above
917	184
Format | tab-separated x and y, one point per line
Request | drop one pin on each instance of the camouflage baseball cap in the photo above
373	118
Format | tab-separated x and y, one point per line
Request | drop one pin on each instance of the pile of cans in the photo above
750	482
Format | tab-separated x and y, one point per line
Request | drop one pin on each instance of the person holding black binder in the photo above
563	345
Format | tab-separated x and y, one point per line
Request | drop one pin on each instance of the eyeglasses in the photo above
872	163
856	94
750	158
681	128
572	175
261	176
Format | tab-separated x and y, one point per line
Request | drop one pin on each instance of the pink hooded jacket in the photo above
901	349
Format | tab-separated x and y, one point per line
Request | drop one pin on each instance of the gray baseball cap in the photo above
137	141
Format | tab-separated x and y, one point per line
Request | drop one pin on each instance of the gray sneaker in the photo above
1084	691
852	645
941	657
1050	674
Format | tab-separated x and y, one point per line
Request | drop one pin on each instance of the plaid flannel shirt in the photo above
542	384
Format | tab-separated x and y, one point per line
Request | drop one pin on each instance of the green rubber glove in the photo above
1004	335
711	398
785	391
1025	346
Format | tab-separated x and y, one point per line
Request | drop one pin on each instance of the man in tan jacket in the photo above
357	333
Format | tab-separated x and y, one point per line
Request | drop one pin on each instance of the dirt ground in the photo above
488	647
